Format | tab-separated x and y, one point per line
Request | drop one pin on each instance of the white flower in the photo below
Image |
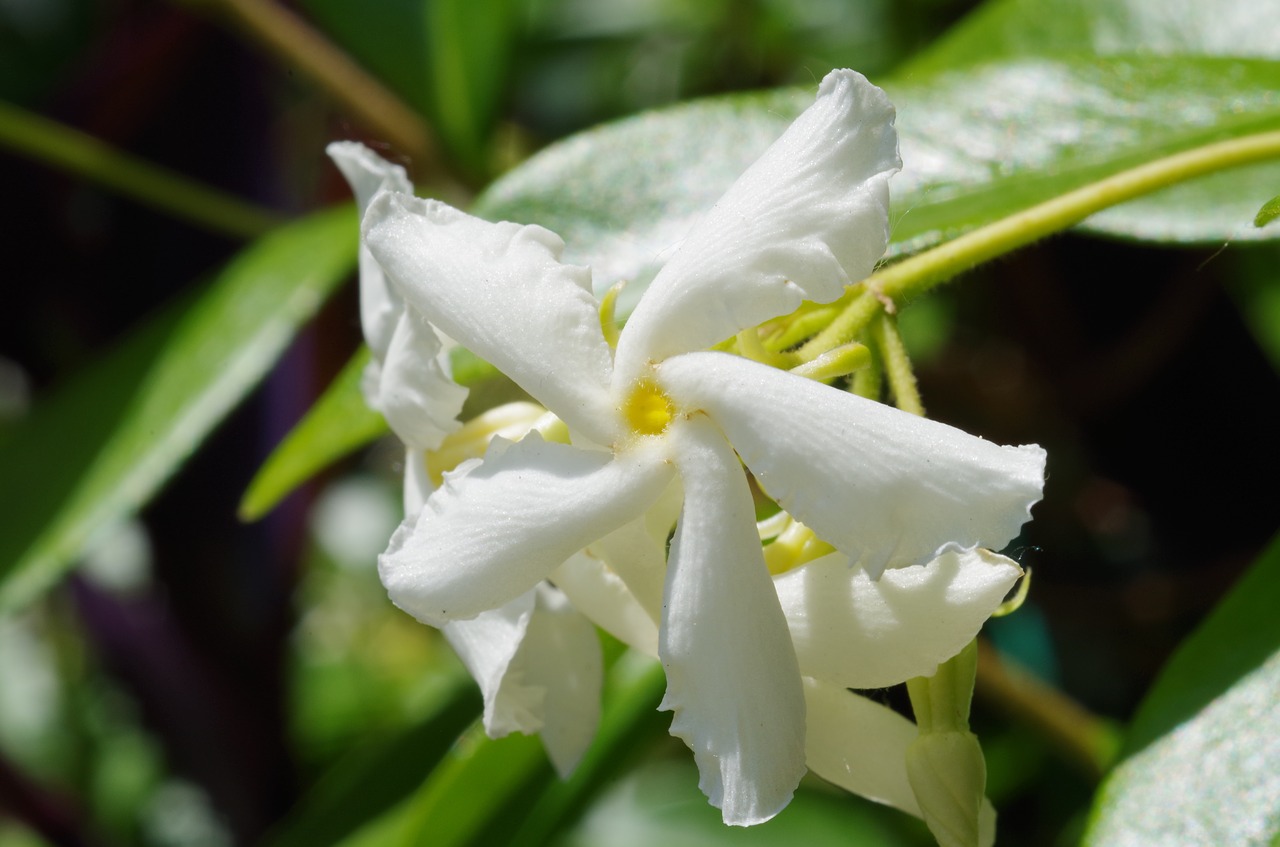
885	488
849	631
537	661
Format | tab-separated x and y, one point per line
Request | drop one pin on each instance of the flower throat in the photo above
648	411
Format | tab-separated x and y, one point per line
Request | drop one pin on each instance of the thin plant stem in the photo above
68	149
921	272
897	365
1087	741
302	47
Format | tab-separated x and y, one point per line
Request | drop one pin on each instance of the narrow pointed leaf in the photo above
374	777
100	448
339	423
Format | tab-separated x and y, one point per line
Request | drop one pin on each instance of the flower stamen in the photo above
648	410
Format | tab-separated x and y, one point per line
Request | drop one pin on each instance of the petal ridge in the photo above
732	677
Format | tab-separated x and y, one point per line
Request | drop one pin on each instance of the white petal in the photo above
732	678
501	291
602	596
420	402
538	665
417	481
859	745
808	218
368	173
487	645
888	488
561	655
495	530
858	633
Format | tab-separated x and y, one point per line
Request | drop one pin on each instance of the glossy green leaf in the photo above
978	143
1213	209
100	448
375	777
1200	758
1005	28
336	425
994	138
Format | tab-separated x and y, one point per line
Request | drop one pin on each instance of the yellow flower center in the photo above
648	411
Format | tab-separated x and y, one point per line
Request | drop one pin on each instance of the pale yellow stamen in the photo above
648	411
793	547
511	421
608	306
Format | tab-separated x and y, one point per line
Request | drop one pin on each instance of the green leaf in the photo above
1269	212
1212	209
100	448
474	785
337	424
504	791
991	139
469	51
1004	28
660	804
629	724
978	144
1200	757
370	781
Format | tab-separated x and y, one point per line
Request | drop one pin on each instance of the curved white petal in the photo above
808	218
888	488
487	644
539	668
859	745
368	173
501	291
732	678
858	633
602	596
495	530
418	399
561	655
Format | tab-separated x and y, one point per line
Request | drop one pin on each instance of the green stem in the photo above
302	47
1084	739
922	272
897	365
69	149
